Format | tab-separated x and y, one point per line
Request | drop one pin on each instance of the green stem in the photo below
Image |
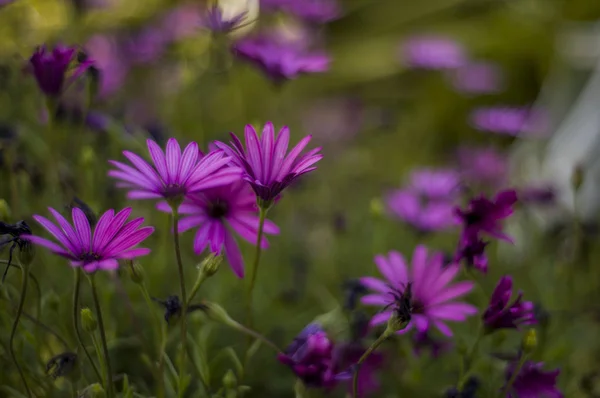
183	318
469	359
199	281
109	383
159	332
254	269
383	337
76	322
251	333
513	376
98	349
24	280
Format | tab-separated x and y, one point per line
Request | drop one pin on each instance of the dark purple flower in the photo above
477	78
310	356
368	383
542	195
509	120
472	251
214	20
502	314
315	11
266	163
533	382
280	60
433	52
485	215
50	69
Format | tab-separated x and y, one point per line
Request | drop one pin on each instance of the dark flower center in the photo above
418	307
173	190
218	208
89	257
473	218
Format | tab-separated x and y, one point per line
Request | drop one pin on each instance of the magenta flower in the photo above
502	314
533	382
483	166
509	120
50	69
315	11
433	295
265	162
280	60
433	52
422	214
310	356
477	78
175	174
472	252
214	20
485	215
112	239
428	202
218	212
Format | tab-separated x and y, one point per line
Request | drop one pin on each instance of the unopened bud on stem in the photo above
136	273
210	265
577	178
397	321
229	380
530	341
88	322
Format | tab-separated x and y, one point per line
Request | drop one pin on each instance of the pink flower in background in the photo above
181	22
214	20
368	382
428	202
533	382
478	78
113	68
267	165
111	240
482	166
433	52
334	120
433	293
509	120
314	11
217	213
280	60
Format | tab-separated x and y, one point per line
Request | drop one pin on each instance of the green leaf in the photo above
236	361
252	350
13	393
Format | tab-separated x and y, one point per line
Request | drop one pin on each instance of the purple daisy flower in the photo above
111	240
433	295
218	211
50	69
280	60
266	164
533	382
427	203
472	252
310	356
483	166
485	215
214	20
175	174
509	120
433	52
502	314
477	78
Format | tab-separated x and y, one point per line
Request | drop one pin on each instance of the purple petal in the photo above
158	157
234	256
82	227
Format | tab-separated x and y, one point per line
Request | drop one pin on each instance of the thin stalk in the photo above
199	281
183	319
161	334
109	383
98	349
76	322
383	337
254	269
469	359
251	333
47	328
513	376
24	279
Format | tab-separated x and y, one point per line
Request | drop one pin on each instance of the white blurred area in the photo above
571	97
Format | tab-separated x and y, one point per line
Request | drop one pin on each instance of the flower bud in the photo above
4	210
577	177
88	322
87	156
229	380
26	253
53	301
530	341
218	314
397	322
376	207
136	273
210	265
